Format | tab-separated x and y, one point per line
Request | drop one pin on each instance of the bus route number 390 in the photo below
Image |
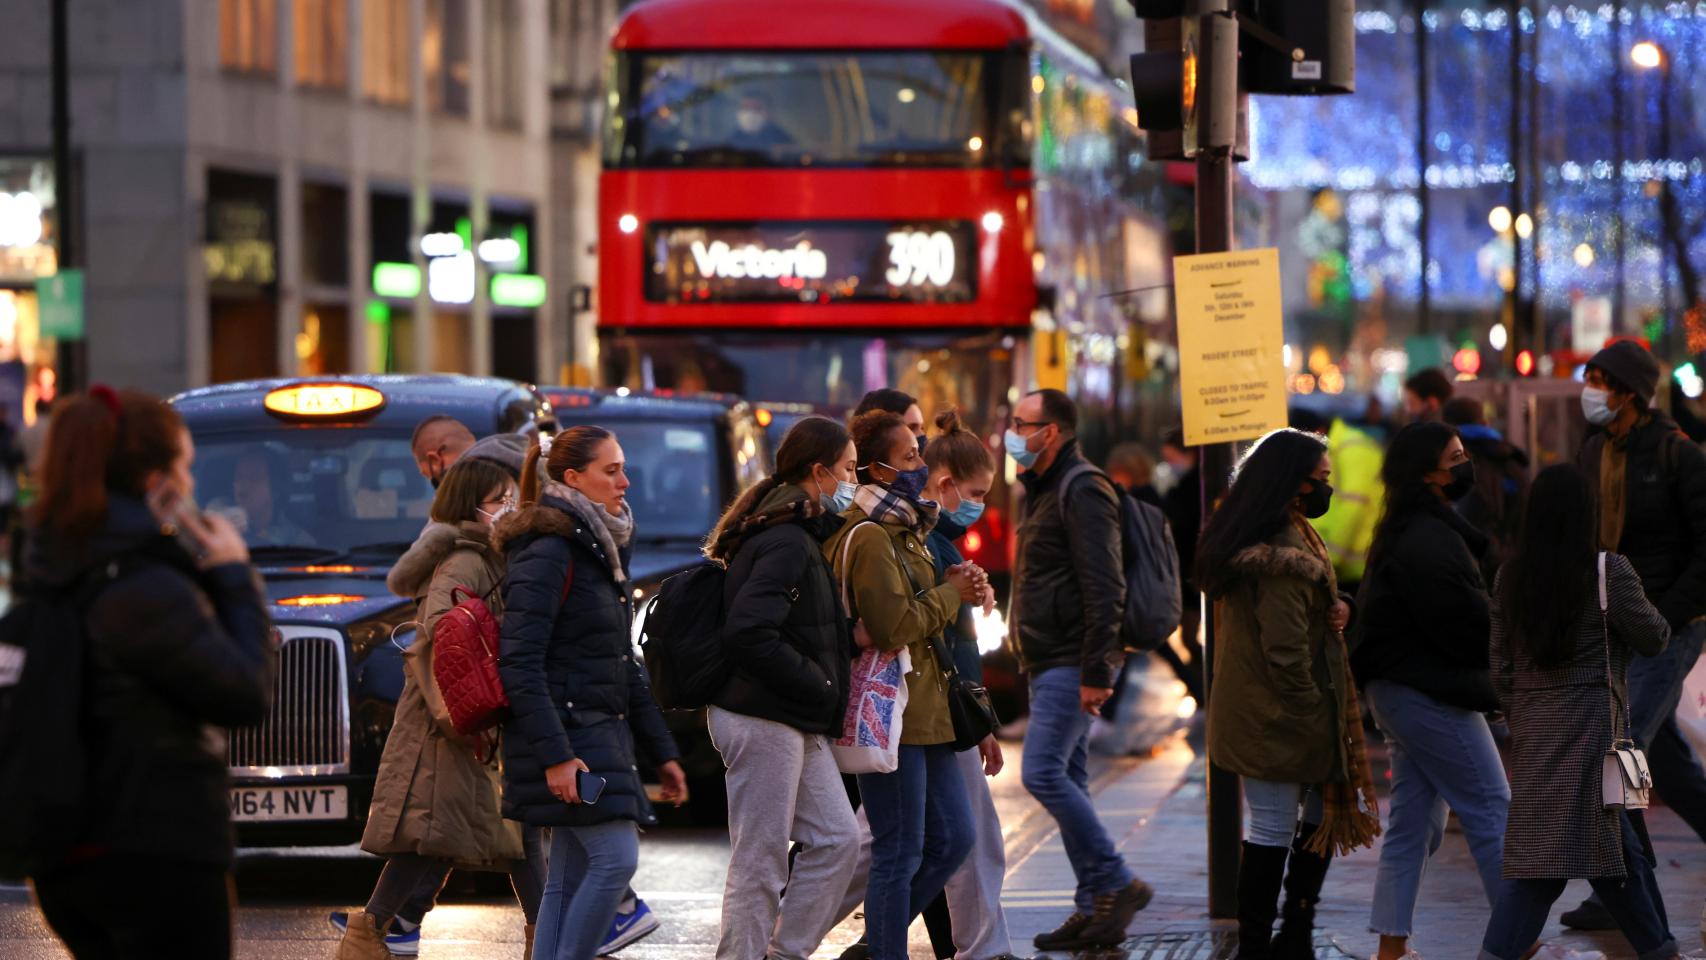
919	258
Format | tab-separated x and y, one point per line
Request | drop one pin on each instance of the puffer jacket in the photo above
1068	578
784	631
433	795
567	661
1664	517
175	655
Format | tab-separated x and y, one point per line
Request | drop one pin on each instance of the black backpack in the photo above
1154	605
680	638
44	765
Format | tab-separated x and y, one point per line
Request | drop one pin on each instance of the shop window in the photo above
385	50
323	345
506	64
444	56
248	35
244	345
400	342
322	43
451	340
325	235
514	352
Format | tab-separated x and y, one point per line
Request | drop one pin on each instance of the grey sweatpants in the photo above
783	786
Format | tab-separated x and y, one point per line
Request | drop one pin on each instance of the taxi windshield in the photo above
312	495
672	474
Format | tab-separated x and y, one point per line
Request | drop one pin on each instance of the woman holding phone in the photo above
178	642
579	698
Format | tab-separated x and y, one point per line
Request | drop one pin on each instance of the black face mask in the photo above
1317	500
1462	481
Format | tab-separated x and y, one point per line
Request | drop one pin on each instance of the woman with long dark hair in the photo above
921	821
580	701
1420	652
1283	712
790	653
1563	633
178	644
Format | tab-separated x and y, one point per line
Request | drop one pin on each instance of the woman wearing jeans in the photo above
1421	653
1282	712
578	696
789	652
1559	664
921	824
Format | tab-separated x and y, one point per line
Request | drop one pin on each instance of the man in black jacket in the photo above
1652	509
1068	601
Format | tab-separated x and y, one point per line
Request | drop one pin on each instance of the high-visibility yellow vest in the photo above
1348	527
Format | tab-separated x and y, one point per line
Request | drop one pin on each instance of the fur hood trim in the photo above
1280	560
412	572
549	517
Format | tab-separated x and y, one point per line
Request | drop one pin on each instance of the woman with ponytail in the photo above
787	641
178	642
580	701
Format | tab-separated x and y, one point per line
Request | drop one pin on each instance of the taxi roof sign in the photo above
324	401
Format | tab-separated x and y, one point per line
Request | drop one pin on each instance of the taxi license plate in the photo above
289	803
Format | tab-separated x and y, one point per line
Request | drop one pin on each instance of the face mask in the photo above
967	513
497	514
841	499
923	441
908	483
1017	448
1596	406
1317	500
750	121
1462	481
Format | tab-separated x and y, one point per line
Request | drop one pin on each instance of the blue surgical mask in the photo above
1023	455
841	499
1596	406
967	513
908	483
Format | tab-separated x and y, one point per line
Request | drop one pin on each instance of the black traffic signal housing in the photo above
1323	30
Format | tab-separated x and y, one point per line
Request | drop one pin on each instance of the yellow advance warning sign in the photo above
1231	345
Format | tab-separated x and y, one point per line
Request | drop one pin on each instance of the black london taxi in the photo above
689	456
321	474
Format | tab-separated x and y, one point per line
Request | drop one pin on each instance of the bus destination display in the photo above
817	263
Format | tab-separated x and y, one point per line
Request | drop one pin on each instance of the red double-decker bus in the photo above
803	200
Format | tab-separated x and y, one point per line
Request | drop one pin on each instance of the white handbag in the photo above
1625	781
876	699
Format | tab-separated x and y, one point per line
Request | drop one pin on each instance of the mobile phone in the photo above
171	508
589	785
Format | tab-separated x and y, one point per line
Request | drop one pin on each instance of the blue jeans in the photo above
1056	772
1655	690
588	876
1634	901
1274	810
921	831
1442	757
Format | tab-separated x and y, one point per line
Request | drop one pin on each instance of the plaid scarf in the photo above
886	506
1350	809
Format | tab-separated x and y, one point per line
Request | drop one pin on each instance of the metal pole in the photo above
1215	235
1424	193
1619	227
1668	336
70	360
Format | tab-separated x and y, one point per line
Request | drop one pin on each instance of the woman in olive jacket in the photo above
921	825
789	650
1281	713
435	801
579	697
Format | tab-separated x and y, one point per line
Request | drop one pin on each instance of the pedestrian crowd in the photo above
1416	586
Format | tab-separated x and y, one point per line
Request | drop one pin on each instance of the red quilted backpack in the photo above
465	662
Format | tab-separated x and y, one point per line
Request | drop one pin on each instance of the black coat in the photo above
1423	617
784	630
1183	506
1664	518
175	653
567	661
1068	579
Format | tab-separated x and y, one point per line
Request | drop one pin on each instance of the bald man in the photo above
437	444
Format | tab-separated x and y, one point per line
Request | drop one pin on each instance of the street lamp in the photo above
1647	55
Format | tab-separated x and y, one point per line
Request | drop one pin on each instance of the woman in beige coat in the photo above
435	802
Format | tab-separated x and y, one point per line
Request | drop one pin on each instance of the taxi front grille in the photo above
307	730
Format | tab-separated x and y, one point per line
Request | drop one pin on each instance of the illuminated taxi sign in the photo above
320	600
324	401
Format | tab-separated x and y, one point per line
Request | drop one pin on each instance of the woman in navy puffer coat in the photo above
579	698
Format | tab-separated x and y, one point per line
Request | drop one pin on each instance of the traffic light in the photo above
1185	83
1309	48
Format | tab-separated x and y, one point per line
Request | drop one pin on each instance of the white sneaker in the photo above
1553	951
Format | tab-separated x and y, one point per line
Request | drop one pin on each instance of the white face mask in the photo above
496	515
750	121
1596	406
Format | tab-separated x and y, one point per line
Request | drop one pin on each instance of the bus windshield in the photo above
795	109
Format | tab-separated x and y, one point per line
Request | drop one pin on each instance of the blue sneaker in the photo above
400	944
629	927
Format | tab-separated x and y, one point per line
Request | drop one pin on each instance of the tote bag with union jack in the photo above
876	700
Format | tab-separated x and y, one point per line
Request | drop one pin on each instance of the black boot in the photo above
1259	876
1303	879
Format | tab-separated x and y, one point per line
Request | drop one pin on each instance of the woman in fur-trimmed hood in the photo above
1283	711
581	707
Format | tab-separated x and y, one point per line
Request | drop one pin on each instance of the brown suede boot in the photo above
363	939
529	935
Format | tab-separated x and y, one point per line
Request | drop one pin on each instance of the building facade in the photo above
275	187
